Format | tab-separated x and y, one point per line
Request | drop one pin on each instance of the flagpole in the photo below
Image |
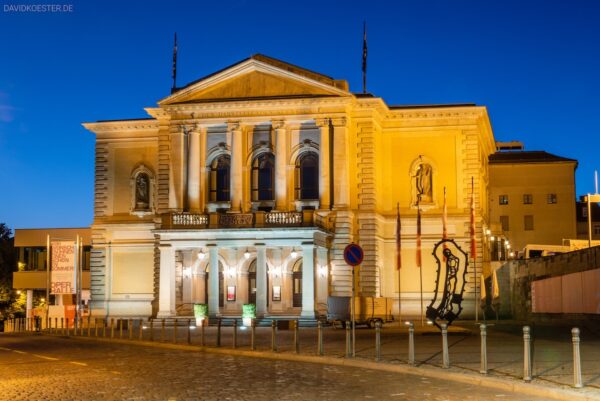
419	261
399	260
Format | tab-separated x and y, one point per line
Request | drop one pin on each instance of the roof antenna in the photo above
174	73
364	57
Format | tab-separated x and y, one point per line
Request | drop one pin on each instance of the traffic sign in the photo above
353	254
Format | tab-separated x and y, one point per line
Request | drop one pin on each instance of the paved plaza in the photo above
552	361
56	368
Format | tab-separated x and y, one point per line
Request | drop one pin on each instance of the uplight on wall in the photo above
187	272
247	254
322	271
294	254
231	271
277	271
201	255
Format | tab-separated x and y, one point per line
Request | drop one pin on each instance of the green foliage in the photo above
8	261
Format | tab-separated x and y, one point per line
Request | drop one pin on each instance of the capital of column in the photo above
322	122
278	124
339	121
234	126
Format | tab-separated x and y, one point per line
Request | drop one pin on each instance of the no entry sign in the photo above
353	254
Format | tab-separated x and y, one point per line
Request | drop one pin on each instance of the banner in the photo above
62	277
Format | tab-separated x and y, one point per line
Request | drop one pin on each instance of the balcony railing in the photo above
184	220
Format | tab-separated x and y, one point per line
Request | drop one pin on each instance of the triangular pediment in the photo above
258	78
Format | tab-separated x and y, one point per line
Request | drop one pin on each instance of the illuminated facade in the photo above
264	172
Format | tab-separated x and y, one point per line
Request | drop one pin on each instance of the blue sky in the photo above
534	64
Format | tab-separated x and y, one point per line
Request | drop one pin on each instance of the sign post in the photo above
353	255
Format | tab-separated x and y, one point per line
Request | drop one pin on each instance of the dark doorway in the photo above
297	284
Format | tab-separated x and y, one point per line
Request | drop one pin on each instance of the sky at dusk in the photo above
534	64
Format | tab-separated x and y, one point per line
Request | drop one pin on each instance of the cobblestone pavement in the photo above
34	367
552	354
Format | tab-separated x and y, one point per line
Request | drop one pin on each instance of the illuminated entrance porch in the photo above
284	272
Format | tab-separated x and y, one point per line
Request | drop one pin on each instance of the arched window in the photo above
307	176
219	179
142	191
263	177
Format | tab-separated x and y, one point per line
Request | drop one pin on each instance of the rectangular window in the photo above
527	199
596	229
584	212
552	199
504	222
528	222
503	199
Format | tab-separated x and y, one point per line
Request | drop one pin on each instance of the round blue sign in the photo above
353	254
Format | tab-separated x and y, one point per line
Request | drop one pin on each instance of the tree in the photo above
8	261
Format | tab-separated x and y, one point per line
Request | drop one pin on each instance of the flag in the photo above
495	288
418	235
445	219
473	241
174	73
364	57
398	239
483	293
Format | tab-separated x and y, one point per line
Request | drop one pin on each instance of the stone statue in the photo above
424	183
142	198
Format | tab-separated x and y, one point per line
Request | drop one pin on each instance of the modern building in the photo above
32	275
246	185
532	198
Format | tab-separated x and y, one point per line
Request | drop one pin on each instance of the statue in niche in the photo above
142	195
423	181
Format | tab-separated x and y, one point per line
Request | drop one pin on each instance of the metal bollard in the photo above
95	327
141	329
577	382
320	338
253	335
130	328
104	324
296	339
120	328
67	324
189	331
378	341
151	329
445	356
273	336
483	369
112	328
162	330
411	343
62	326
49	325
234	333
348	341
218	332
89	327
527	353
204	321
55	325
175	331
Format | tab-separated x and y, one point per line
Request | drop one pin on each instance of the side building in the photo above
532	200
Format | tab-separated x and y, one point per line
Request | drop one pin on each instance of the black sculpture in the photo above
454	280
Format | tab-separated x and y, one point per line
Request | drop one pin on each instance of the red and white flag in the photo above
473	241
398	239
418	236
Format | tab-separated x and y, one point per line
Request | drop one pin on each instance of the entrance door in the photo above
297	284
252	283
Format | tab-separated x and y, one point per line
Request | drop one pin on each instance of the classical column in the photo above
193	180
213	285
166	295
202	169
324	198
261	280
236	166
341	185
308	281
280	165
322	285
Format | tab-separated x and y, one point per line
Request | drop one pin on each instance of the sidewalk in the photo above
551	352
